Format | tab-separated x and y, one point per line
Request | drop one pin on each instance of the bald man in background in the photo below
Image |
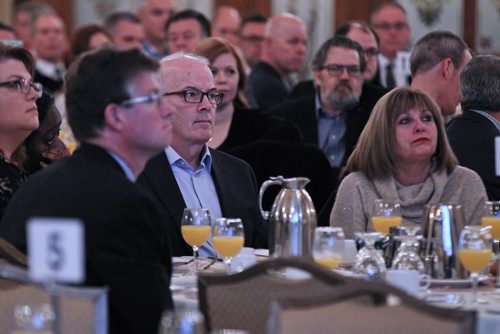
154	14
284	52
226	24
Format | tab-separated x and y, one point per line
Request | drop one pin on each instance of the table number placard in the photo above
56	250
497	155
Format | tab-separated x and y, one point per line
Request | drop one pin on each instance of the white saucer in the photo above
349	273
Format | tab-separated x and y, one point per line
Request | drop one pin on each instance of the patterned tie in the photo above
390	82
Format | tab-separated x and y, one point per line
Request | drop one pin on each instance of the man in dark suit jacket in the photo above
338	67
472	135
115	110
283	52
188	173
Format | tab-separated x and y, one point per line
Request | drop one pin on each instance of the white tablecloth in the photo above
185	296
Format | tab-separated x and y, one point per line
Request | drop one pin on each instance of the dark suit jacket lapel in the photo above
162	180
219	172
308	111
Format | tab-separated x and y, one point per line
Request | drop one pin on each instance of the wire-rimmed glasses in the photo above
195	227
24	86
142	99
196	96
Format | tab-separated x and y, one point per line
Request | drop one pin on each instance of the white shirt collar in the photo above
51	70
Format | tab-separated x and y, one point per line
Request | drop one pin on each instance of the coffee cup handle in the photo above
425	281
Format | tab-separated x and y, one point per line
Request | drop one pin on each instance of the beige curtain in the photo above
6	9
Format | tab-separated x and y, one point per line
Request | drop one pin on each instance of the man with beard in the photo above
334	117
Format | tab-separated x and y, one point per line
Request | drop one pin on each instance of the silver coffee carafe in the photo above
441	227
292	218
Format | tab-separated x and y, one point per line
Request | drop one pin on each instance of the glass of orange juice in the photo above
328	246
475	252
228	239
386	213
491	217
195	229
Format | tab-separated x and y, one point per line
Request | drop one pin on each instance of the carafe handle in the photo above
274	180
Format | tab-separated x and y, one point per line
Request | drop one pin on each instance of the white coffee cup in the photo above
244	259
410	281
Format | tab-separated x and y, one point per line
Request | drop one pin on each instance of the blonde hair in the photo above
374	154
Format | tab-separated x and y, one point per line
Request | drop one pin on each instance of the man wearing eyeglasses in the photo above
252	38
189	174
390	22
116	112
333	118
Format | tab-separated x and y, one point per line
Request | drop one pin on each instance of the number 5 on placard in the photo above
56	250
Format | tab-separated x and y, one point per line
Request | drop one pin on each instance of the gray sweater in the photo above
357	194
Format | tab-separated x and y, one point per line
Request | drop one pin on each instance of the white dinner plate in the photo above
456	283
349	273
183	280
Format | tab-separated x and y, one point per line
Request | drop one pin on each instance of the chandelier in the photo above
429	10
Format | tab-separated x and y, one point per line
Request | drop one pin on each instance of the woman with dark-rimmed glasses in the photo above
18	116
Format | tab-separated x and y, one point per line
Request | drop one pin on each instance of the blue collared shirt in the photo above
151	51
331	134
126	169
197	186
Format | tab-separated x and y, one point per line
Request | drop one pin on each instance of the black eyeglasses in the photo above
196	96
386	26
371	52
24	86
336	70
252	38
142	99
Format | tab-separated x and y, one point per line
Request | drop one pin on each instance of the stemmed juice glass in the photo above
228	238
369	261
328	246
475	252
386	213
491	218
195	227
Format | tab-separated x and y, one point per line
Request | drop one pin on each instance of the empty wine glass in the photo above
386	213
195	228
228	239
369	261
475	252
407	256
491	218
328	246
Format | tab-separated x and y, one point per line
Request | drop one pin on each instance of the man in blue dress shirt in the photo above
189	173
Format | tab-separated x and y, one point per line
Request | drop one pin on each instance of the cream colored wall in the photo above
6	7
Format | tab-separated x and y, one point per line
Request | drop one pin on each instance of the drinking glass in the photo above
386	213
407	256
474	252
328	246
369	261
195	228
228	239
491	218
